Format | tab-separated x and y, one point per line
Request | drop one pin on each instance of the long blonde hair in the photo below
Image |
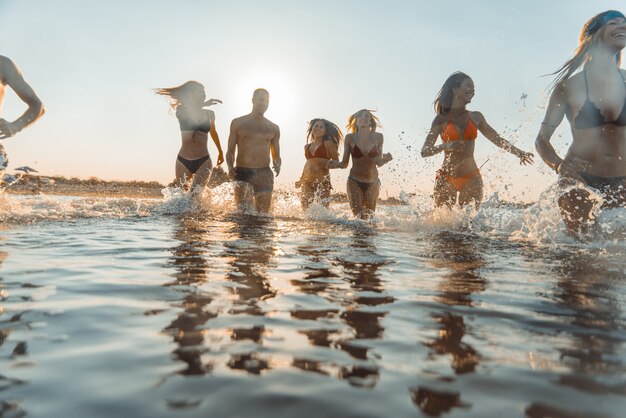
374	122
588	38
179	94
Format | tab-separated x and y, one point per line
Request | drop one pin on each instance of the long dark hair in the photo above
179	94
443	101
333	132
588	38
374	122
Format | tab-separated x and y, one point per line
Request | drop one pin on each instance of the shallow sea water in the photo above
162	308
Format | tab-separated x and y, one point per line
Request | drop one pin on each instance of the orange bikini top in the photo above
451	134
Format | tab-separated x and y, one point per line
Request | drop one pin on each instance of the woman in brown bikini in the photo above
322	145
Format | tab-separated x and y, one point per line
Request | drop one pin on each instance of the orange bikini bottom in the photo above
458	182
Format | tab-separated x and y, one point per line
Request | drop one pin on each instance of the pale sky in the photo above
94	63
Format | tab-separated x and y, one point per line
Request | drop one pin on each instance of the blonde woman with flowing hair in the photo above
365	146
196	124
594	102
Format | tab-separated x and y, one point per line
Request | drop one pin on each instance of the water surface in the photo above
157	308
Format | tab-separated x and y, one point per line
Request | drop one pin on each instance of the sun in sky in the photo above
281	89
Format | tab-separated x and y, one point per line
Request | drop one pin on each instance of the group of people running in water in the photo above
593	100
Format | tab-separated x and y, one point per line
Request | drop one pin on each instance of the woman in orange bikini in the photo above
196	124
459	173
365	145
322	144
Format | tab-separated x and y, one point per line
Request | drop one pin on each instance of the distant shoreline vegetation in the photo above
30	184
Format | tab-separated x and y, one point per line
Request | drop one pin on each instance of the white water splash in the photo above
537	223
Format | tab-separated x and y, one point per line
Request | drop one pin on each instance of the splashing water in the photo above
539	222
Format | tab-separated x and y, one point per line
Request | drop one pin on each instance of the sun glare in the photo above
282	94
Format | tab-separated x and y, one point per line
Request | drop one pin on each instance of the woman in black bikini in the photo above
365	145
196	123
594	102
322	144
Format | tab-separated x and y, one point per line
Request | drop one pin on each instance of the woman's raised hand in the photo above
211	102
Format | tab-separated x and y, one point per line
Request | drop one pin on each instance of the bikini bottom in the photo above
364	185
458	182
193	165
613	189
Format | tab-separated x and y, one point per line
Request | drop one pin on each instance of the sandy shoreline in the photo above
94	187
60	186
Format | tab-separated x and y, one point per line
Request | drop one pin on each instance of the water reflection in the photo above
585	288
435	402
345	288
251	252
459	256
460	260
190	260
321	284
360	265
364	308
10	408
587	312
4	334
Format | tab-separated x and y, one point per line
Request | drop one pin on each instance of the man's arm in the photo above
13	78
232	145
275	150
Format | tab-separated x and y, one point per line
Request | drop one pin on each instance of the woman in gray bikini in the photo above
594	102
196	124
365	145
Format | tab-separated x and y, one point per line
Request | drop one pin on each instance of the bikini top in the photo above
451	134
320	152
357	153
188	124
590	116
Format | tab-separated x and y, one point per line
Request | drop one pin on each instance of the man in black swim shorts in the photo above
254	138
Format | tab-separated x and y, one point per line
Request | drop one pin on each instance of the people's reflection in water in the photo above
457	255
12	408
365	309
3	333
460	261
190	259
587	291
319	280
251	253
588	319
